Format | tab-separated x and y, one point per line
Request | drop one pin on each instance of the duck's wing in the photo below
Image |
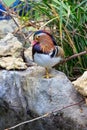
58	51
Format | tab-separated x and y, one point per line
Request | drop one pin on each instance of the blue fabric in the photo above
19	6
15	3
2	8
3	17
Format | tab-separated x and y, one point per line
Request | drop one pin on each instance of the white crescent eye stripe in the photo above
41	34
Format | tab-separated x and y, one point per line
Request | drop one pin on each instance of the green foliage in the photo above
8	2
68	23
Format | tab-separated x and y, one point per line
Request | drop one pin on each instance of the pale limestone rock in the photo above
10	46
11	53
12	63
6	26
28	54
81	84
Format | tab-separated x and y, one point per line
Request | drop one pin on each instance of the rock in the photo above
9	26
10	63
26	94
11	53
81	84
6	26
10	46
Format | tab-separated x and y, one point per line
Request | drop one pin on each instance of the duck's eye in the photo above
37	37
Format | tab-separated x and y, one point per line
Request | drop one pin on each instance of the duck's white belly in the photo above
45	60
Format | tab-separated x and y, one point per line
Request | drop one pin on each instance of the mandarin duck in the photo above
45	51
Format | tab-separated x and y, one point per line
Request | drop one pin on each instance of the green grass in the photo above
8	2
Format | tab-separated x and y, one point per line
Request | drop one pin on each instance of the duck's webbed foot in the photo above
47	75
